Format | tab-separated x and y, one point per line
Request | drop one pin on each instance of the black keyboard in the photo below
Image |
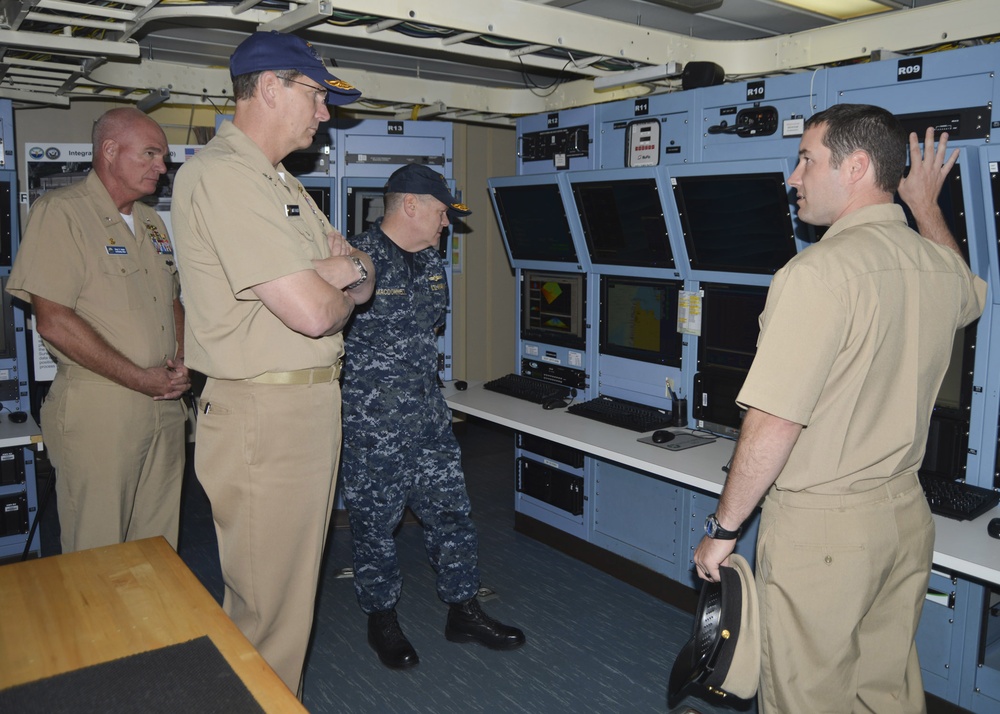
532	390
958	500
619	412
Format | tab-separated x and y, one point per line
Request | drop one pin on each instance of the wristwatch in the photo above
714	530
361	269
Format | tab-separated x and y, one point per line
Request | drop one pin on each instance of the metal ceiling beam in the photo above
34	97
64	45
587	35
306	15
76	21
192	85
14	11
387	41
76	7
556	27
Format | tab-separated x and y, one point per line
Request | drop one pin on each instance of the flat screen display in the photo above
639	319
534	223
553	307
8	347
623	223
952	203
736	223
995	191
729	325
364	207
6	225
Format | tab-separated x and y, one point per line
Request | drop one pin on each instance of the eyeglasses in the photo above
319	93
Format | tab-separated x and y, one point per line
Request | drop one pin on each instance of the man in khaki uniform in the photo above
856	337
98	268
268	286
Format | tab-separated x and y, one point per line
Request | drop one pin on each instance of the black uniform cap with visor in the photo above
722	658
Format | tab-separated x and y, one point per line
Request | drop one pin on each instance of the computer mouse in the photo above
662	436
461	385
993	528
18	417
554	403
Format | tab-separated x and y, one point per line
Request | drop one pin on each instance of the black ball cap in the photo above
421	180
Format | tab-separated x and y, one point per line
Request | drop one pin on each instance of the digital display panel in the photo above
623	223
952	203
553	307
364	207
736	222
729	325
534	223
639	319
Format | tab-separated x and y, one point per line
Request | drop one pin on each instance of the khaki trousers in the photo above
119	459
267	457
841	582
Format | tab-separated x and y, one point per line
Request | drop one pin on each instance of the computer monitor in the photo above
639	319
948	433
365	205
320	195
726	348
8	346
952	203
6	225
534	222
553	308
623	222
735	222
730	325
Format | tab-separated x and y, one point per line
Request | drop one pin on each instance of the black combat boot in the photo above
390	644
468	623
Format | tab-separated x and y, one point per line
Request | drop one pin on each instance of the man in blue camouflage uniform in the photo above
399	449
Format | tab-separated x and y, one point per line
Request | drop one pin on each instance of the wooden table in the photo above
65	612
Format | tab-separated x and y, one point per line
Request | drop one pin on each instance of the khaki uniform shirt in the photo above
78	251
856	337
239	222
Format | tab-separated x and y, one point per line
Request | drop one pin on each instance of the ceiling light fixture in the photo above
840	9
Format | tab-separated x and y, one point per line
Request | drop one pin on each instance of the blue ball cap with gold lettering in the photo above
272	50
419	179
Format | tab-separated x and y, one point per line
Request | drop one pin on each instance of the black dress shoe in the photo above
468	623
390	644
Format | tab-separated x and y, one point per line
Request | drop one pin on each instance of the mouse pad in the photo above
680	441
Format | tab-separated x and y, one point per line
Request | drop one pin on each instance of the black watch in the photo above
714	530
362	270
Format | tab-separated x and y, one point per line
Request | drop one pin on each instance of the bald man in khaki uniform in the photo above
98	268
268	285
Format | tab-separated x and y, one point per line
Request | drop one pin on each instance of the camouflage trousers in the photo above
384	470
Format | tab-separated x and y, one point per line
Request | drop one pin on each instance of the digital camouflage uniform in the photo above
399	449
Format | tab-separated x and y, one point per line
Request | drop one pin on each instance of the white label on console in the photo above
531	350
575	359
793	127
